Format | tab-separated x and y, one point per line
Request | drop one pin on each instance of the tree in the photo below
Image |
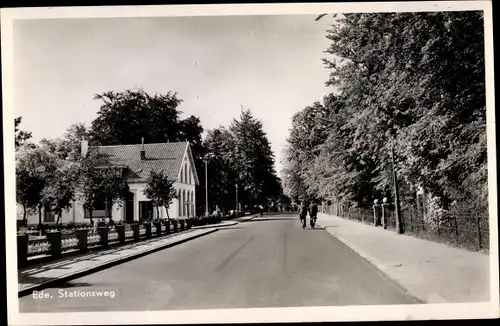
308	132
125	117
409	81
99	182
20	137
219	146
252	158
59	193
160	190
29	185
114	188
90	182
34	172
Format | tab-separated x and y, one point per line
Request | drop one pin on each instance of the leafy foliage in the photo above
219	144
411	81
114	188
59	193
253	159
160	190
241	156
21	137
125	117
100	183
35	170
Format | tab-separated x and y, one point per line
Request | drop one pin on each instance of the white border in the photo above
350	313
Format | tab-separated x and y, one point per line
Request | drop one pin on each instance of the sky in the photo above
269	64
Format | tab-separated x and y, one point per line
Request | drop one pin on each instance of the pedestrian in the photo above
303	213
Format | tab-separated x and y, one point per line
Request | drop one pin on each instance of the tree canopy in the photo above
411	81
241	155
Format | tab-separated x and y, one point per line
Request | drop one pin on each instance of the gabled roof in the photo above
166	157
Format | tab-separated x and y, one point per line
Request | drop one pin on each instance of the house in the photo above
135	162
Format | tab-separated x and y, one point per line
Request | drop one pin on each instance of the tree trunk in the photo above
168	216
25	222
158	212
59	218
109	207
39	215
90	215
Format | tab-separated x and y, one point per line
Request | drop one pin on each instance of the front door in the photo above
129	208
145	210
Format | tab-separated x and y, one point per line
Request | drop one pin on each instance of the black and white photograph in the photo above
250	163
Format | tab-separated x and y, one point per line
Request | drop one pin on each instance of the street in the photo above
265	262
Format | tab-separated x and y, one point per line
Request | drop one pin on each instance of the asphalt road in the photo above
266	262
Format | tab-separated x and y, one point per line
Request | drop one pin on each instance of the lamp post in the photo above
206	187
237	209
399	224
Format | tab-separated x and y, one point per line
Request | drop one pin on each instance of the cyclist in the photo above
313	213
303	213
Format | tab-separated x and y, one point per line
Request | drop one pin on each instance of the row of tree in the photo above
411	84
54	173
241	165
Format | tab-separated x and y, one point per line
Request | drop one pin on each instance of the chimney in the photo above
143	151
84	147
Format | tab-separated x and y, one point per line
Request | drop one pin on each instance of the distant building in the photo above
136	162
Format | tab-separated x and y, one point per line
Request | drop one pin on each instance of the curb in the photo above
248	219
94	269
213	226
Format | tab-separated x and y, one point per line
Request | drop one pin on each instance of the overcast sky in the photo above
269	64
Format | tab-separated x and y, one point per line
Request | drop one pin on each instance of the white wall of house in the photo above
74	215
183	206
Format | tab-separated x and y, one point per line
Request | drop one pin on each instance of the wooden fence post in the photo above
120	229
103	232
82	235
55	240
22	250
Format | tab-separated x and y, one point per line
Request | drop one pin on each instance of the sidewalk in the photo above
49	274
432	272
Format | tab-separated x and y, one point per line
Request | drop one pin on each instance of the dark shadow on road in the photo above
75	285
264	219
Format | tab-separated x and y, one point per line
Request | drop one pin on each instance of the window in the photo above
182	175
183	203
98	211
48	214
189	173
185	173
179	203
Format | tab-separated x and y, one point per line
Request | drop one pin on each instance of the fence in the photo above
57	243
461	226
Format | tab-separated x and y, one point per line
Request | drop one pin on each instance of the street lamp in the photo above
399	224
206	187
237	209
